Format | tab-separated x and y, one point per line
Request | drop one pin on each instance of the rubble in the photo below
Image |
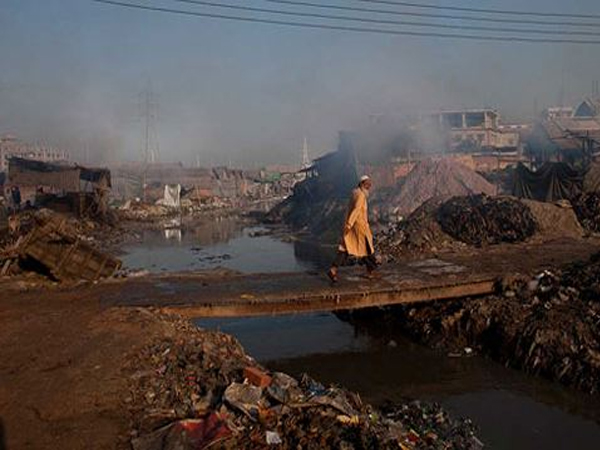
194	379
53	245
482	220
548	325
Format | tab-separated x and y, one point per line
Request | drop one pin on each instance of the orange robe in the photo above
357	238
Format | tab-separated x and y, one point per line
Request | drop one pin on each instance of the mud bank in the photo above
547	326
193	388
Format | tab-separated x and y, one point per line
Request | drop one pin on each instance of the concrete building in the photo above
474	130
10	146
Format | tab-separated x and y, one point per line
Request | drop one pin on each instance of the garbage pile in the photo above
54	246
548	325
419	233
195	389
481	220
475	220
141	212
587	208
440	178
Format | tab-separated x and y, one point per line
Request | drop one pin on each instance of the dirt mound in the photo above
554	220
481	220
438	178
587	208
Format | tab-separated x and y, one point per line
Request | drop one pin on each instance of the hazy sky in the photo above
71	72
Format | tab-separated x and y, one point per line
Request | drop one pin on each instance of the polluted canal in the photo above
511	409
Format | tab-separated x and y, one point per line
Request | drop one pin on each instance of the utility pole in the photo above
149	115
148	112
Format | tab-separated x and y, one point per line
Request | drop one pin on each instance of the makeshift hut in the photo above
65	188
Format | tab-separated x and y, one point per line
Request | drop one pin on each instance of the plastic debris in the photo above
273	438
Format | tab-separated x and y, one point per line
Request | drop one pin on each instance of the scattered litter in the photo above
273	438
198	381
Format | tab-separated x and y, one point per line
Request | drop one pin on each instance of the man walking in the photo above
356	244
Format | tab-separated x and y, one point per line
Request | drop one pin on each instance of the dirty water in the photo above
512	410
224	243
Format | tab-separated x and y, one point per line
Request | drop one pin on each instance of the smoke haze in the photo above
247	94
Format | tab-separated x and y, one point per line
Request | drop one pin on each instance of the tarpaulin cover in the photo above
551	182
172	196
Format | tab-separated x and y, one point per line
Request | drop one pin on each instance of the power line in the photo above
483	10
436	15
347	28
385	21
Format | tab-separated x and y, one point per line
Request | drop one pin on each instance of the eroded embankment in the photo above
193	388
547	326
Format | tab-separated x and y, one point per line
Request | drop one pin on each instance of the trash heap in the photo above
481	220
548	325
587	208
474	220
440	178
196	389
418	234
145	212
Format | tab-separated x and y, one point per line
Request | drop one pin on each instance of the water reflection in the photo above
220	243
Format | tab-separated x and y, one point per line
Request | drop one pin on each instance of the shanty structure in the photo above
573	133
66	188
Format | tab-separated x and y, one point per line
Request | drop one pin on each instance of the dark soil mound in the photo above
480	220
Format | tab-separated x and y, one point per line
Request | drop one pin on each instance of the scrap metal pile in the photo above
481	220
196	389
548	325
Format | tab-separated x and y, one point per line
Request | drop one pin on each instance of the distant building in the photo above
557	112
573	135
10	146
589	107
474	130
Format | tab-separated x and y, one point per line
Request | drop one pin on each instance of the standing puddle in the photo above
511	409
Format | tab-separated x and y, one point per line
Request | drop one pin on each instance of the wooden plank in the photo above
341	301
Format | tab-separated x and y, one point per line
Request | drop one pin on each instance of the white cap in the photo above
364	178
